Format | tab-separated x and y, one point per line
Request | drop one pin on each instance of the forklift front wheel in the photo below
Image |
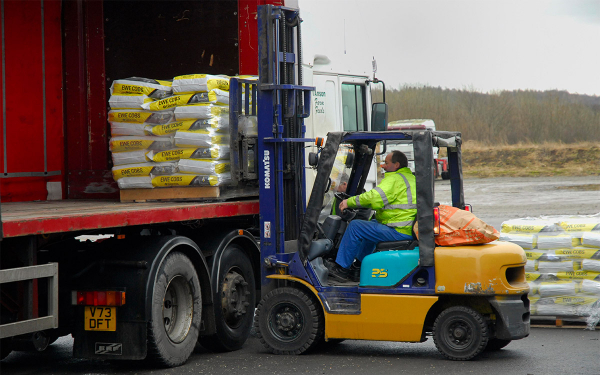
460	333
288	321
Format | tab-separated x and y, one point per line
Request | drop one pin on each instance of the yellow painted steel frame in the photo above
481	269
383	317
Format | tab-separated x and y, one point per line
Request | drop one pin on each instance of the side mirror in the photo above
379	116
313	159
349	160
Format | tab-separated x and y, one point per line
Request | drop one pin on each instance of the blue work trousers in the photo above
360	240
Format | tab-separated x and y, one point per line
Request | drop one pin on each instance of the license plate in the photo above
100	318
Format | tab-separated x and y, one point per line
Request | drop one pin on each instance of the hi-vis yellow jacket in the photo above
394	199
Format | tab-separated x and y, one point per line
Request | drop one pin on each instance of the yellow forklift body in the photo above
497	268
382	318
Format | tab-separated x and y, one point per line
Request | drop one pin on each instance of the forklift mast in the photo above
283	104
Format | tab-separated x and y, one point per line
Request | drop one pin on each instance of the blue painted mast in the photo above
283	103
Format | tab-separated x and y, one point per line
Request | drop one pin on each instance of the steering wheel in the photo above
341	195
349	213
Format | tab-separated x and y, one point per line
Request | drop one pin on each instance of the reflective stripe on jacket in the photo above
394	199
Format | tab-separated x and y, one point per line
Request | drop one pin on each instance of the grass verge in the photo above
531	160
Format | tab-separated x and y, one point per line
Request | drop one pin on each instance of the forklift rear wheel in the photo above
288	321
237	296
176	312
496	344
460	333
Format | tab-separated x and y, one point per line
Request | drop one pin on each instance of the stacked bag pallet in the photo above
563	264
170	133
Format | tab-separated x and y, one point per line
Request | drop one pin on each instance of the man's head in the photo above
343	183
394	161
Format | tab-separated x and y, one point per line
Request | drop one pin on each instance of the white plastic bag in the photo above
129	157
144	169
135	85
204	166
200	138
199	83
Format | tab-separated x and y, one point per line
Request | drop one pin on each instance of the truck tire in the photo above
234	302
288	321
5	347
496	344
460	333
176	312
32	342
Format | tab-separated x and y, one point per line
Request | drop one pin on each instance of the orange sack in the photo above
460	227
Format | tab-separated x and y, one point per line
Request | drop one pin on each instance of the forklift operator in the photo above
395	202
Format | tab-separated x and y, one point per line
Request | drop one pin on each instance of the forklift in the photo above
468	298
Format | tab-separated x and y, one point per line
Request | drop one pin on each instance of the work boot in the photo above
337	272
355	272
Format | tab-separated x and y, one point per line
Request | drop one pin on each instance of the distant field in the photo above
529	160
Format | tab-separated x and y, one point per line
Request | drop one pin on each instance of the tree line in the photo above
505	117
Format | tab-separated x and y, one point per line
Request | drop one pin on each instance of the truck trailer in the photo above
130	286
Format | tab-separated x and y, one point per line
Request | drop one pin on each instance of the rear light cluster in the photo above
98	298
436	221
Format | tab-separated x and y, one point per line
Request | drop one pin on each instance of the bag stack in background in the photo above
170	133
563	264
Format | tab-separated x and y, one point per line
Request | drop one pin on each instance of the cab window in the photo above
353	106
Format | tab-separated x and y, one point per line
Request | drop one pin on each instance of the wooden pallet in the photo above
170	194
560	322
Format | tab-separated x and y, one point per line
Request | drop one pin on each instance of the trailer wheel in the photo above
496	344
460	333
5	347
234	302
176	312
288	321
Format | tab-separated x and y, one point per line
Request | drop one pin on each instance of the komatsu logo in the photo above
267	165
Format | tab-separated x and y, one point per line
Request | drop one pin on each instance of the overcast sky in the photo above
486	45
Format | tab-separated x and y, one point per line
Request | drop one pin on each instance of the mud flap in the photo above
127	342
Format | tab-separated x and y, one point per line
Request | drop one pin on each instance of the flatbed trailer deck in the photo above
45	217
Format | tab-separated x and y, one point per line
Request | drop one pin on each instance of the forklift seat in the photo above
399	245
396	245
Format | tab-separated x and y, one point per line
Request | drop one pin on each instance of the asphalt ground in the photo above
546	351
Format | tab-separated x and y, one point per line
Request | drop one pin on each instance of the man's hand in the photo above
344	205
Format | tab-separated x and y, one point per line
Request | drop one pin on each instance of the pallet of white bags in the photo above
170	194
560	322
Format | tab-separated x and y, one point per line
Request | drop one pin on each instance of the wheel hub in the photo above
234	298
459	334
286	321
178	309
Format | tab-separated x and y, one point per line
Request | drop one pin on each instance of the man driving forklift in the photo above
395	202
